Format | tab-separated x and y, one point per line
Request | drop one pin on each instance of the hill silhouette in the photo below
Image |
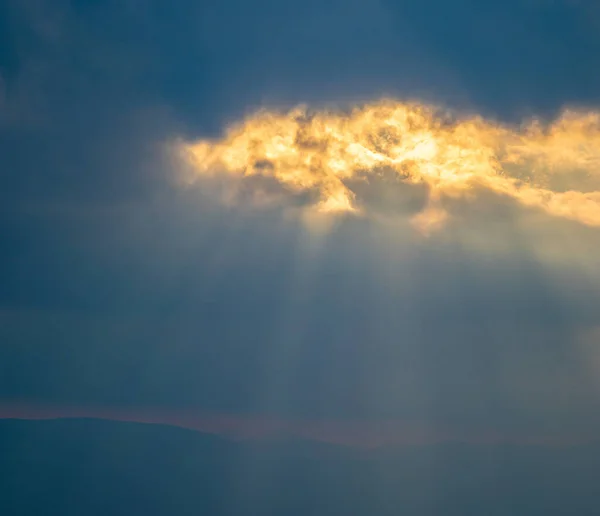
92	467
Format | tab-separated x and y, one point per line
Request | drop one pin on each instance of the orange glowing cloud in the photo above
554	166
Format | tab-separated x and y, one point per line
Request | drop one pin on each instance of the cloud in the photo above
552	166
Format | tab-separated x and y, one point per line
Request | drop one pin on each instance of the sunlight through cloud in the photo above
551	166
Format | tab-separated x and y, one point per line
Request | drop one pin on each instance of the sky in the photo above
355	212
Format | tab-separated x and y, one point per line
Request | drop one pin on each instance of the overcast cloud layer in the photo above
121	287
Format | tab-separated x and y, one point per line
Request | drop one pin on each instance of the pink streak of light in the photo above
355	434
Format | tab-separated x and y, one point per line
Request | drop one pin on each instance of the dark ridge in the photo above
94	467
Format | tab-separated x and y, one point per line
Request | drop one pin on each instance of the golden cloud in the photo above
553	166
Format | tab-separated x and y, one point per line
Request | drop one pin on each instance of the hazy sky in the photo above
120	286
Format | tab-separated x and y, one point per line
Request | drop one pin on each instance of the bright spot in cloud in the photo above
554	167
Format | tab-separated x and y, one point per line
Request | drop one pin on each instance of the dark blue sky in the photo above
117	287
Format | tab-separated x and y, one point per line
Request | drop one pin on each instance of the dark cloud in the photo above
515	58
